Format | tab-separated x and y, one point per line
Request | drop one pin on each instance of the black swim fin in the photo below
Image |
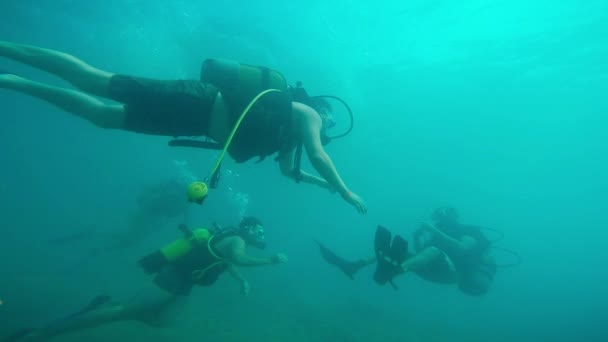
389	256
347	267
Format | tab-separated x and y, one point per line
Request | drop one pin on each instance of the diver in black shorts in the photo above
276	124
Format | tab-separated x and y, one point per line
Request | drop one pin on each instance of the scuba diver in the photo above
197	259
278	120
444	251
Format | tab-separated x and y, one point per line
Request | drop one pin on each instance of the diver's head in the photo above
318	103
445	216
325	110
323	107
252	231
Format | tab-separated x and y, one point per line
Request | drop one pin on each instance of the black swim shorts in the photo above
172	108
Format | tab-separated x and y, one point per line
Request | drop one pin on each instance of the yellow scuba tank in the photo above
157	260
180	247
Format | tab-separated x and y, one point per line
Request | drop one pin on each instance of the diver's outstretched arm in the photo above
237	256
309	131
286	166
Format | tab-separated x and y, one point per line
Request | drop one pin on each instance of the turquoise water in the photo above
497	108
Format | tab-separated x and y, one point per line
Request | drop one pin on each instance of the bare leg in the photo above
90	320
421	259
96	318
423	264
146	313
72	101
63	65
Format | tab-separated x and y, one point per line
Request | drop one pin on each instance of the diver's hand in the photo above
278	258
245	289
355	201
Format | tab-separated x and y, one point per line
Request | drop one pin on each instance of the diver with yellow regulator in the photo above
277	121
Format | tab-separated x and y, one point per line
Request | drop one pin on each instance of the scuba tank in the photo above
239	83
263	132
156	261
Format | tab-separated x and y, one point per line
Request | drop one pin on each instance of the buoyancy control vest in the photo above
265	129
